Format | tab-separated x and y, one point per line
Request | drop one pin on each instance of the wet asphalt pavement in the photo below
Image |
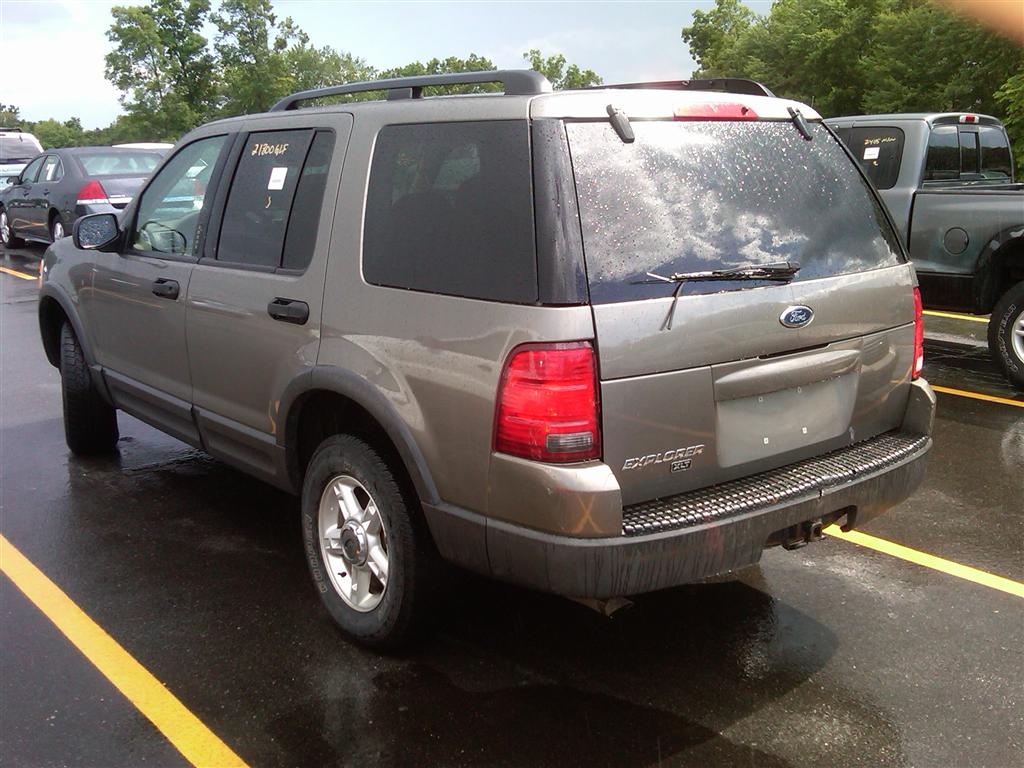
830	655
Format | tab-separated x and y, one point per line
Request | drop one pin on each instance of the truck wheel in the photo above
368	549
1006	334
7	238
90	424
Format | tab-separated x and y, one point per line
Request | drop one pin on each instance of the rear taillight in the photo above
92	193
918	335
548	407
725	110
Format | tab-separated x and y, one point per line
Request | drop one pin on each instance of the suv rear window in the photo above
696	196
18	147
450	210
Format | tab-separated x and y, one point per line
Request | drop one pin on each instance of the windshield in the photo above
117	163
18	148
696	196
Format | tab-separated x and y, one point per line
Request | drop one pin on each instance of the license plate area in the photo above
764	425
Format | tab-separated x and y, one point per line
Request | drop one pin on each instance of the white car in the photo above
16	149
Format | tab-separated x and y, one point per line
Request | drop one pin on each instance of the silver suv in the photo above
595	342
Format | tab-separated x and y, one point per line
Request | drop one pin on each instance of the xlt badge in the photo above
679	458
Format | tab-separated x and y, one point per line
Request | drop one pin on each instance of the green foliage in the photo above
161	64
452	64
172	78
53	134
10	116
1011	97
864	56
562	77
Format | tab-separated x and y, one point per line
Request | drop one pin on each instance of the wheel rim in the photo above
1017	336
5	228
354	543
58	230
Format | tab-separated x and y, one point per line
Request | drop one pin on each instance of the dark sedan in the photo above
61	185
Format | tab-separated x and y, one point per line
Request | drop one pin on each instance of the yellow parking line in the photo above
16	273
965	572
956	316
197	743
978	396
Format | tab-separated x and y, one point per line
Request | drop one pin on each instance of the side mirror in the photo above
96	231
12	180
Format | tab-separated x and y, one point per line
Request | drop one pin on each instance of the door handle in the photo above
166	289
289	311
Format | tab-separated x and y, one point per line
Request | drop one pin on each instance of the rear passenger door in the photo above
254	300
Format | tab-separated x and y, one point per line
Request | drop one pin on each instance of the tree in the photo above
53	134
562	77
1011	97
10	116
251	47
161	65
714	32
853	56
452	64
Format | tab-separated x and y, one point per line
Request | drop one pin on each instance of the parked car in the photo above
597	374
58	186
16	148
948	180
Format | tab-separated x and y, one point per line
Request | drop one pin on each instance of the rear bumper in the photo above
736	527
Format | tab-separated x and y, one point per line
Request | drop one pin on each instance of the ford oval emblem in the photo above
796	317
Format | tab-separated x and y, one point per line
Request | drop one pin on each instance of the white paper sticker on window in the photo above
870	153
277	177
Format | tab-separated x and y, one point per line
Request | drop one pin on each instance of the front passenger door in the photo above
138	298
19	200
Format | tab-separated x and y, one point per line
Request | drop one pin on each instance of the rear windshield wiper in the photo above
776	272
801	123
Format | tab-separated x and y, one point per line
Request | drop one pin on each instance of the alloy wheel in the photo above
354	543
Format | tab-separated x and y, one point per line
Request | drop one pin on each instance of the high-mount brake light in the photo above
725	110
92	193
918	335
548	407
968	118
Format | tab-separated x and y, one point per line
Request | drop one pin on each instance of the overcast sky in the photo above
62	42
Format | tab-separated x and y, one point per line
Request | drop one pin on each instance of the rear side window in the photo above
699	196
450	210
270	181
879	151
943	159
995	154
52	170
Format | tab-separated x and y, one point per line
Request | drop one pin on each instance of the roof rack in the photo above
517	82
720	84
11	130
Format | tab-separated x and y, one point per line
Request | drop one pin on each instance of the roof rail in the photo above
721	84
517	82
11	130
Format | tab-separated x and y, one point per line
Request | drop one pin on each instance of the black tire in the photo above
10	241
1007	319
90	423
414	566
56	219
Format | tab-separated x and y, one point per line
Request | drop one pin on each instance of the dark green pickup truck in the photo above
948	181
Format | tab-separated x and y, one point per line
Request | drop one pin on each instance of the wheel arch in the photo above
331	400
55	309
1000	265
